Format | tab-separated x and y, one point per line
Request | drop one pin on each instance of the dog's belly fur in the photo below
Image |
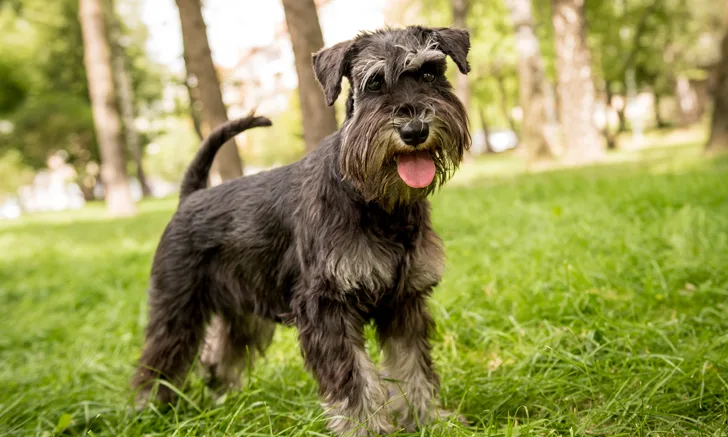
251	256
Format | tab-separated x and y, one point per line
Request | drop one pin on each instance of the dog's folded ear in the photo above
456	44
330	65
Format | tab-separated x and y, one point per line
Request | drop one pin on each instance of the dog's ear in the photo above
330	66
456	44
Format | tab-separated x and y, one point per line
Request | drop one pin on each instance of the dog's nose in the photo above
414	132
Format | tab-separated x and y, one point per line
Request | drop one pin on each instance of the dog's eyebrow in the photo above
371	67
414	61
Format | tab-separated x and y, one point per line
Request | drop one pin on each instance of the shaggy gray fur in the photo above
326	244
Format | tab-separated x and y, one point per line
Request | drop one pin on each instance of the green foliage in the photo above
43	85
146	76
13	172
281	144
172	150
13	85
576	302
48	123
659	39
492	55
45	49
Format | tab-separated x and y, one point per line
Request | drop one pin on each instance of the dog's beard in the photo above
371	147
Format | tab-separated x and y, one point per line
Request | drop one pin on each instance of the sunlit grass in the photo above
587	301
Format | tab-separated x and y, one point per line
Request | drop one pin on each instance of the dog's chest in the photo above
378	266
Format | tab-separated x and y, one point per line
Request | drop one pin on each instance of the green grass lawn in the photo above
576	302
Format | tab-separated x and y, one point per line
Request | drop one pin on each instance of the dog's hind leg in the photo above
231	344
173	335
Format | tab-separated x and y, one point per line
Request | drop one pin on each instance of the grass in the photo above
576	302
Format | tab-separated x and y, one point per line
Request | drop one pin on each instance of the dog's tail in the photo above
197	173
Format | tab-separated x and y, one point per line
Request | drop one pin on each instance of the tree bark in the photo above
718	140
459	14
575	82
687	101
126	97
97	59
622	118
504	106
201	70
192	94
610	137
532	81
486	129
319	119
659	122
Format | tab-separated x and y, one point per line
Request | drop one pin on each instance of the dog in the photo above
328	244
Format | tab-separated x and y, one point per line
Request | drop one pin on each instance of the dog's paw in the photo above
447	415
365	420
378	424
158	395
141	400
410	420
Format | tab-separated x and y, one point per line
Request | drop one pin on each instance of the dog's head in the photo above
405	131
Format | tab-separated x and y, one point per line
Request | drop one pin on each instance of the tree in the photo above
486	130
126	96
532	81
97	59
319	119
459	14
575	83
718	140
42	49
201	74
657	44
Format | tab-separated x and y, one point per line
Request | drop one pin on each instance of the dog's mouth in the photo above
417	169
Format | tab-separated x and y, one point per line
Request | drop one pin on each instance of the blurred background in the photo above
108	100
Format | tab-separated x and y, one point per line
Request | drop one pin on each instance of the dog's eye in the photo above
428	77
374	84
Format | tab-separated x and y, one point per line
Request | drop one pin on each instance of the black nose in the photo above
414	132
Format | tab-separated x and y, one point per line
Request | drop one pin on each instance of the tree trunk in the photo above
532	81
97	59
126	97
718	140
192	94
505	108
576	85
622	118
610	137
319	119
459	14
687	101
486	130
200	69
659	122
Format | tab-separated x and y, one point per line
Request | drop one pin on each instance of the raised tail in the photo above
197	173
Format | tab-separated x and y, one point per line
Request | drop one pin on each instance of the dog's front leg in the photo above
403	334
332	342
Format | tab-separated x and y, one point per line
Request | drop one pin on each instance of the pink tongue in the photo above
416	169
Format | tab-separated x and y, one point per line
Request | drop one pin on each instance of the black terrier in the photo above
327	244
